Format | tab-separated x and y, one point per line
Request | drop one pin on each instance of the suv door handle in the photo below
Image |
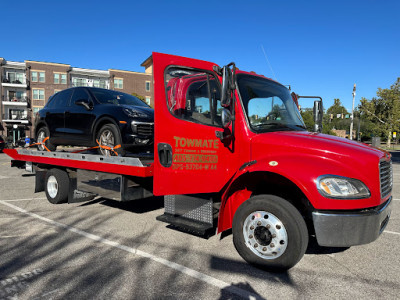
165	154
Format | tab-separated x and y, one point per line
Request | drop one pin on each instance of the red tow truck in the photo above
231	152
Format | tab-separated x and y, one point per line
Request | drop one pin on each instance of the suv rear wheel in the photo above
43	133
109	136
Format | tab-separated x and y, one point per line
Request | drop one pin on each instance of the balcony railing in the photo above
15	81
15	99
17	117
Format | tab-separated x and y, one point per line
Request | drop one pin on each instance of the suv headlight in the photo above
337	187
134	113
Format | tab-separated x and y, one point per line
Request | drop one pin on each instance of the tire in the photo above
42	133
109	135
57	186
270	233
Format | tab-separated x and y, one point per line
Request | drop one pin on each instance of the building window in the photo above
37	76
38	94
63	78
147	86
79	82
148	100
100	83
36	109
15	77
60	78
118	83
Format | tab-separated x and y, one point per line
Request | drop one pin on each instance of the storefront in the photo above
15	132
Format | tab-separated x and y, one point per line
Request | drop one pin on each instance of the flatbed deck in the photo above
141	166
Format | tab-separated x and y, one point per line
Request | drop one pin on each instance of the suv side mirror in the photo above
85	103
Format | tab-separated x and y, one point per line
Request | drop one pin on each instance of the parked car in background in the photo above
2	143
83	116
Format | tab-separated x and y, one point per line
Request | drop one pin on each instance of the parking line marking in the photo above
396	199
27	199
392	232
185	270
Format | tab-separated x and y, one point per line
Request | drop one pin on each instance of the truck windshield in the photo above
268	105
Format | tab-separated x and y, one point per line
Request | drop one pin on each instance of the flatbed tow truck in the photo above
231	152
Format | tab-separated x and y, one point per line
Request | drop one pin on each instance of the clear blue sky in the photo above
318	47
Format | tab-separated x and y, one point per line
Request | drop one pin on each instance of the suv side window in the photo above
52	101
64	97
193	95
80	94
60	99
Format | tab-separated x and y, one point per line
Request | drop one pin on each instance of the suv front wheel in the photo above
108	136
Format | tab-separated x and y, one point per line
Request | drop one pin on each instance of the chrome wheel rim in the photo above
265	235
107	139
52	186
41	137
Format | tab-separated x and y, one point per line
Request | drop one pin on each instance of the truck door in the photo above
188	157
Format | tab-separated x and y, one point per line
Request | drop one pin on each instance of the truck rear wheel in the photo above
56	186
269	233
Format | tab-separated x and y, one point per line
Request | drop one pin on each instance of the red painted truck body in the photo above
246	165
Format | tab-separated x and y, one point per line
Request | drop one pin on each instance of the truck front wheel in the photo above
56	186
269	232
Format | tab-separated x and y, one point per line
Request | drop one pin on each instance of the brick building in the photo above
26	87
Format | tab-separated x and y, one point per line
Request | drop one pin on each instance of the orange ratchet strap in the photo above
101	146
42	143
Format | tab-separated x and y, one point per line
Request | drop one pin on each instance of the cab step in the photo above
187	225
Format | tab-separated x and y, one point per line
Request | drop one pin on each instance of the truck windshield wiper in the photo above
271	124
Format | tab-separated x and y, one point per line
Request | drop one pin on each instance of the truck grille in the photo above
146	129
386	177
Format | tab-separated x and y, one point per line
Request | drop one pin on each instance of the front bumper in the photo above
345	229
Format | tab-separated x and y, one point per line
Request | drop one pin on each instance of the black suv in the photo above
86	116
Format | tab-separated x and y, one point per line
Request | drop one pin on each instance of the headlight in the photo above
337	187
134	113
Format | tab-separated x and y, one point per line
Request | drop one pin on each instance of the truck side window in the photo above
193	96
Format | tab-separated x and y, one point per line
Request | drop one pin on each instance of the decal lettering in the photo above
195	154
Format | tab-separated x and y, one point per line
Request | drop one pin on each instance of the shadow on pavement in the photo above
314	248
138	206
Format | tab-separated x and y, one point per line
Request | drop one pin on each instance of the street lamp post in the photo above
352	113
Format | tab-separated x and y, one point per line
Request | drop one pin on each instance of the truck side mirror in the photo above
318	114
226	118
226	86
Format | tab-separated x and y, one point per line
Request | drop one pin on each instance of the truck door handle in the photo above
165	154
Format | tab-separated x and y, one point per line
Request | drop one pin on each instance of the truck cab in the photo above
238	137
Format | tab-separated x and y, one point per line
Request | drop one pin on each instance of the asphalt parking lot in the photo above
108	250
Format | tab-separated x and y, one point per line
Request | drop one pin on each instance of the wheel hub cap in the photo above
52	186
265	235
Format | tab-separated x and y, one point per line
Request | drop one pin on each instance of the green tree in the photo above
308	118
383	111
337	116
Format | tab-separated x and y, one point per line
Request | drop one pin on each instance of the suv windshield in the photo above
116	98
268	105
